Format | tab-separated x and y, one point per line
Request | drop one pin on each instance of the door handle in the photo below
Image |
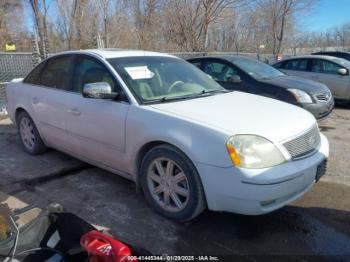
35	100
74	111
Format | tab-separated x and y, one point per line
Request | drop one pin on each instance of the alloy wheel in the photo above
168	184
27	133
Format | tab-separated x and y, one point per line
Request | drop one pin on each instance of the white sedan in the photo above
161	122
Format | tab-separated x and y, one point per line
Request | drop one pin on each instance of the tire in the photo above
175	192
29	135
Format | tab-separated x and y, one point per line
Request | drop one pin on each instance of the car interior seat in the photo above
144	90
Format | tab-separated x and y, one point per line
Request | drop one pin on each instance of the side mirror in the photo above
235	79
342	71
99	90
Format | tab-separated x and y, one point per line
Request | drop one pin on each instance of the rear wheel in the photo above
30	137
171	184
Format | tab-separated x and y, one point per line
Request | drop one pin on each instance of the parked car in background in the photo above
251	76
163	123
339	54
332	71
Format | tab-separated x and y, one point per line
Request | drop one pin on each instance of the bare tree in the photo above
103	6
280	14
189	27
66	20
40	10
9	27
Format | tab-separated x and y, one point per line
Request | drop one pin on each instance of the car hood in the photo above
295	82
241	113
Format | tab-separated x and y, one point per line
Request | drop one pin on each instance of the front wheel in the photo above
171	184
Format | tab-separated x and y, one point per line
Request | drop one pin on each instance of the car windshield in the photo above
159	79
343	62
258	70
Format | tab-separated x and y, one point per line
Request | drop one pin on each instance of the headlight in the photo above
301	96
250	151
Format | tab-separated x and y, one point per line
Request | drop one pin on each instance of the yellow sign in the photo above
10	47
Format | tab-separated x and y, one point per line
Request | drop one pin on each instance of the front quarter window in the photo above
34	76
153	78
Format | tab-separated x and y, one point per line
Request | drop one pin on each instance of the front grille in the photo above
323	97
305	144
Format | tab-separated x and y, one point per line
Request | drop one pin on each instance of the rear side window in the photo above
56	72
34	76
324	66
296	64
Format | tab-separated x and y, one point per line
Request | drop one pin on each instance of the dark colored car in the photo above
340	54
251	76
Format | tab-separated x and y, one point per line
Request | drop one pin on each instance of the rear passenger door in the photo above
326	72
49	98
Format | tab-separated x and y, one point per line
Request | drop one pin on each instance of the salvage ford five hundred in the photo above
161	122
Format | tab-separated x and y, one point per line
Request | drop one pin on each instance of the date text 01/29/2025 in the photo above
173	258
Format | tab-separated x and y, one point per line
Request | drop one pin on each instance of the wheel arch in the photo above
18	111
146	148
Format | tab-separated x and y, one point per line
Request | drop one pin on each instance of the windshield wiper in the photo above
200	94
166	99
216	91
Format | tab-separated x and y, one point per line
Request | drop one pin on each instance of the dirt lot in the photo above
319	223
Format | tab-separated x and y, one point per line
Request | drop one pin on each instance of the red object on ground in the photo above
102	248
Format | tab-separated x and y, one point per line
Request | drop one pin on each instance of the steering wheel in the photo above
173	85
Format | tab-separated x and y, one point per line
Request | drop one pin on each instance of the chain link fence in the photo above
2	100
13	65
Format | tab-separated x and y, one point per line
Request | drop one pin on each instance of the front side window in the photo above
324	66
296	65
219	71
56	72
157	79
89	70
257	70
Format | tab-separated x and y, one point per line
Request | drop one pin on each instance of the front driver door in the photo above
97	126
327	72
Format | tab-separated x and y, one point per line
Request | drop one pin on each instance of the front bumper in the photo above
259	191
320	110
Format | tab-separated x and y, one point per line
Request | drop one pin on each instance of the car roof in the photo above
326	57
116	53
337	60
229	58
332	52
